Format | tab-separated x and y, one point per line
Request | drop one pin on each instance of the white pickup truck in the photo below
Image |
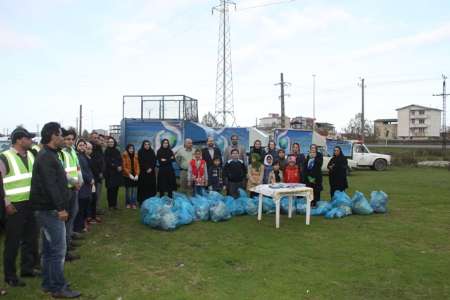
358	155
365	158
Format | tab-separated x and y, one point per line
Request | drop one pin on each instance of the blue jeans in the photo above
131	195
53	250
73	212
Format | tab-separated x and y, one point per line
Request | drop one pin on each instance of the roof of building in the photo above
420	106
386	120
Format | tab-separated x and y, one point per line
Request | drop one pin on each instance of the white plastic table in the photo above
277	193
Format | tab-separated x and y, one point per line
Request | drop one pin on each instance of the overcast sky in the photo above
58	54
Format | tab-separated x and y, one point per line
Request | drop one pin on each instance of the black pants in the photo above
316	191
92	212
83	206
112	196
21	232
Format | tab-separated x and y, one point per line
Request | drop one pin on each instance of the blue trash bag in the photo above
214	196
168	219
268	205
239	206
177	195
183	210
229	202
360	204
284	205
219	212
242	193
322	207
341	199
201	208
336	213
250	206
150	211
300	206
378	201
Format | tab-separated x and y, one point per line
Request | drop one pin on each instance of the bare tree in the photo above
210	120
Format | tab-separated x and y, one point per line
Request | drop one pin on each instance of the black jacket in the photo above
49	189
234	171
207	157
97	162
313	176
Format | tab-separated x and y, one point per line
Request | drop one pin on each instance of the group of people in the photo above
50	190
53	189
208	168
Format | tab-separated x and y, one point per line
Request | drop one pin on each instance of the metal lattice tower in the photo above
224	106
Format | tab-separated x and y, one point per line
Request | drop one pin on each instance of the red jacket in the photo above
291	174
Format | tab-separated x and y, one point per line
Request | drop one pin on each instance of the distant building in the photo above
304	123
114	131
418	122
101	131
325	129
272	121
385	129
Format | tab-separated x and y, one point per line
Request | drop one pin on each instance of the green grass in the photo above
404	254
411	156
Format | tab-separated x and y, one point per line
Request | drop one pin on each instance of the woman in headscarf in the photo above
257	149
147	178
255	173
113	172
268	161
337	171
130	175
272	150
166	175
313	172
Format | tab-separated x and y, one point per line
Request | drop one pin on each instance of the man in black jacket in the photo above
210	153
50	198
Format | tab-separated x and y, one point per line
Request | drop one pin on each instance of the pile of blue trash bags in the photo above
170	213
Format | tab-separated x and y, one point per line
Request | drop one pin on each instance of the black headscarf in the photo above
164	152
112	151
147	158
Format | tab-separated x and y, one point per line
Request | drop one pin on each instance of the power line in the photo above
266	4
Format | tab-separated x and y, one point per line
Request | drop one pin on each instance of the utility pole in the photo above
444	115
282	84
362	85
80	128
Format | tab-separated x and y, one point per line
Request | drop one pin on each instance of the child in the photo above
255	173
276	175
291	172
268	160
198	173
282	159
215	178
234	174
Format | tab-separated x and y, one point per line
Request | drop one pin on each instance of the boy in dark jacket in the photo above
234	174
215	179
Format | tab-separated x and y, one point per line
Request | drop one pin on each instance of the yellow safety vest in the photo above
17	183
70	163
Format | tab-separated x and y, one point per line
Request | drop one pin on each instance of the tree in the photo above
85	134
354	127
210	120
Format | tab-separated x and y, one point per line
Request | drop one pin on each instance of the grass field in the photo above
404	254
411	156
